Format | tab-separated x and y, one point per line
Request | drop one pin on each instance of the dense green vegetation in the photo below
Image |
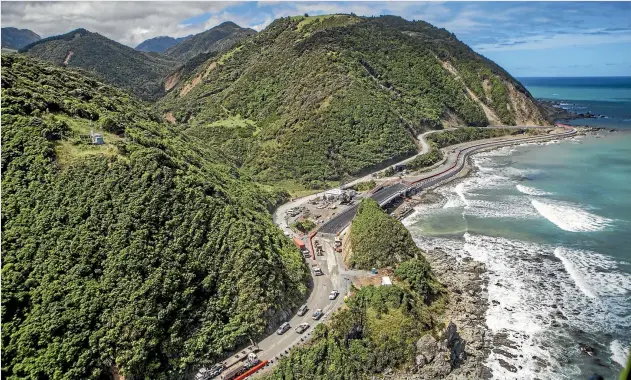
304	226
426	159
364	186
377	239
218	38
377	331
117	64
462	135
329	97
146	255
14	38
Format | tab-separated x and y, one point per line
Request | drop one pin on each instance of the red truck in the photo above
299	243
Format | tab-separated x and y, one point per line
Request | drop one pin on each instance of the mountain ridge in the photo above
215	39
149	234
160	44
284	104
14	38
139	72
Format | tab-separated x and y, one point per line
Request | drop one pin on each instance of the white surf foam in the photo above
559	252
569	217
530	190
459	189
538	294
619	352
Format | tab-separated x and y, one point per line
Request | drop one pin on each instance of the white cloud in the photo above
555	41
126	22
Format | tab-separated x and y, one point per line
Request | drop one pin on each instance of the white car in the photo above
302	327
333	295
284	327
303	310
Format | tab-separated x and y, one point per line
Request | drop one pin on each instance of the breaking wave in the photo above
619	352
530	190
571	218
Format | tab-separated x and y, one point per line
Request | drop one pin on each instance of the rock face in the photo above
426	348
438	359
461	350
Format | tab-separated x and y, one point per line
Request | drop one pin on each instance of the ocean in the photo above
551	221
607	96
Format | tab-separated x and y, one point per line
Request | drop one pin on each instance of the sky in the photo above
526	38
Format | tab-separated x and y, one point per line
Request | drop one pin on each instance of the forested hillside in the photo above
117	64
326	97
14	38
380	325
218	38
144	256
159	44
378	239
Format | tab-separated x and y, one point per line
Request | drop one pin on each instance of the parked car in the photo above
303	310
283	328
302	327
317	271
317	314
216	370
333	295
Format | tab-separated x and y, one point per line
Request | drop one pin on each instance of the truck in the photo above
299	243
251	361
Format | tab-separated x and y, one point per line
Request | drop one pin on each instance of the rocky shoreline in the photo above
554	111
465	343
463	348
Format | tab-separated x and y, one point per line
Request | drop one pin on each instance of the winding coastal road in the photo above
335	276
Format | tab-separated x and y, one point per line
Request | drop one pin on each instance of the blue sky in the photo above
526	38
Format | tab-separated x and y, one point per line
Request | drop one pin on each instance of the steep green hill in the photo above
117	64
219	38
146	255
160	44
379	240
14	38
322	98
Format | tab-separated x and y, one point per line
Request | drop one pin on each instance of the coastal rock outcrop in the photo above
461	348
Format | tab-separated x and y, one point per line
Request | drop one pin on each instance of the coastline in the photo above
502	346
467	282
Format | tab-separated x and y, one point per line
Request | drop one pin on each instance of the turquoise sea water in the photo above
608	96
552	222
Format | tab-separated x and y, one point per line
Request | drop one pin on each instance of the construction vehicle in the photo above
299	243
251	361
